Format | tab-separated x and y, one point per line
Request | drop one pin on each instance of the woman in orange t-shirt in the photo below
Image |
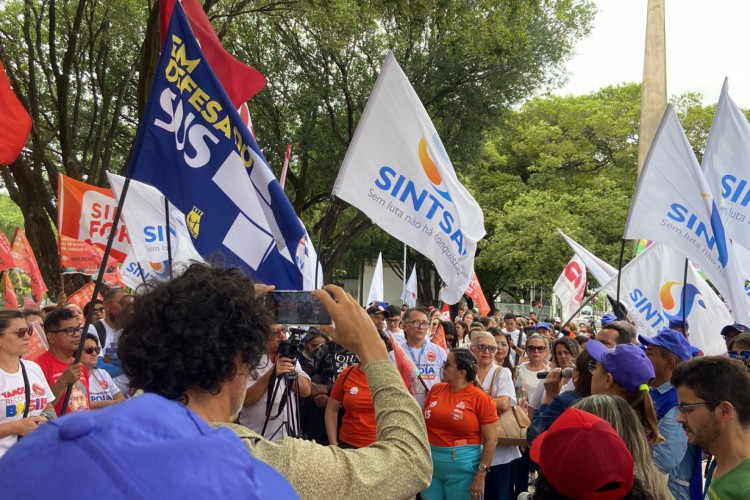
358	427
461	420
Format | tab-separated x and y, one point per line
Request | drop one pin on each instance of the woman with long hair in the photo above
449	332
564	352
498	383
503	355
623	418
462	330
460	419
21	412
625	371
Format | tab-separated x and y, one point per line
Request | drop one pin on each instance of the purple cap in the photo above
541	325
673	341
676	322
147	447
608	318
627	363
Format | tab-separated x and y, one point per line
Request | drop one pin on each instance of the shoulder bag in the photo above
513	424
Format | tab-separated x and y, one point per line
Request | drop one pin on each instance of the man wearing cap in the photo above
582	456
544	328
428	357
378	315
729	332
675	457
714	410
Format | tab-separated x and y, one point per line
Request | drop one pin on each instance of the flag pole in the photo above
323	224
404	284
169	238
684	296
619	275
583	304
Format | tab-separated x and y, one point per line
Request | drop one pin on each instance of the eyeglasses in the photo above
21	332
486	348
91	350
686	408
744	355
592	365
70	331
99	310
392	320
536	348
418	324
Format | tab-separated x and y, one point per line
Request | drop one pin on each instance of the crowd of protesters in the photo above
335	410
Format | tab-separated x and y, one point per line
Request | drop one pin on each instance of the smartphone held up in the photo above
295	307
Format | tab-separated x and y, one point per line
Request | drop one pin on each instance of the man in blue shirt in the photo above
675	456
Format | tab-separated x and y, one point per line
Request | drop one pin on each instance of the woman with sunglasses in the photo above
496	381
739	349
461	420
103	391
16	418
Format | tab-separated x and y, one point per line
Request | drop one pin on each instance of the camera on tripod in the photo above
290	348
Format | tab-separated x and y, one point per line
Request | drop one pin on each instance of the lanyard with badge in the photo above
422	387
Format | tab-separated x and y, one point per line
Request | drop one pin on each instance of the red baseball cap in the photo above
582	457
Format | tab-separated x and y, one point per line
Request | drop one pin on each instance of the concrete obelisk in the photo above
654	91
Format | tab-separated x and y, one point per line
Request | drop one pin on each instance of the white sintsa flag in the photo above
376	287
673	205
571	285
651	289
143	213
599	269
726	164
397	172
410	290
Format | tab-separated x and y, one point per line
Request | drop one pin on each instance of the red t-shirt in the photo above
53	369
454	418
358	427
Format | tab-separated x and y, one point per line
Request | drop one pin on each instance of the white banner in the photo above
143	213
600	270
673	205
377	293
570	286
397	172
651	290
726	164
410	291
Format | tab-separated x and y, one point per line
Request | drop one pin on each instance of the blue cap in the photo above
676	322
541	325
147	447
608	318
673	341
627	363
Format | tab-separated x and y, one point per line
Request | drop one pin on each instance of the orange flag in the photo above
439	338
10	293
406	367
78	257
15	122
37	344
475	292
23	257
83	295
85	213
6	257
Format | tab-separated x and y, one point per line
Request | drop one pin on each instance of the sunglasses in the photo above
592	365
486	348
22	332
70	331
99	310
744	355
536	348
92	350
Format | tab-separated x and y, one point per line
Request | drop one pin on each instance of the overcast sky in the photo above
707	40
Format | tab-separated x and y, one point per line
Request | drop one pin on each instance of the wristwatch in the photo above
483	468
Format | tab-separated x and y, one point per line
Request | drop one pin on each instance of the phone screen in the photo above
294	307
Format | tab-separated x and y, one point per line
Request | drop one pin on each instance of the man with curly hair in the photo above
196	338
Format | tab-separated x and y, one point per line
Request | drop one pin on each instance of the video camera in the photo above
290	348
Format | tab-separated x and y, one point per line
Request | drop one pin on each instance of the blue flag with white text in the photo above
194	148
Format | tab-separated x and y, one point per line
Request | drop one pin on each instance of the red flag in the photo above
240	81
78	257
23	256
29	303
6	257
15	122
406	367
439	338
445	313
10	293
475	292
83	295
86	212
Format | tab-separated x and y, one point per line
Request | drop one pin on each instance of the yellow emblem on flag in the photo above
193	221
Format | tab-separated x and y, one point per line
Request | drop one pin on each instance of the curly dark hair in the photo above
186	333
